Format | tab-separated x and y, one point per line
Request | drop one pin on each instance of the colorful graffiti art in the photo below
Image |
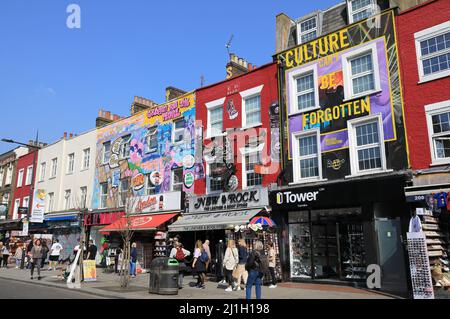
145	149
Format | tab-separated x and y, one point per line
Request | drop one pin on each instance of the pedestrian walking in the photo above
92	251
4	254
55	253
272	262
242	274
257	267
230	261
28	254
45	251
199	263
19	255
208	252
133	260
180	254
116	260
36	254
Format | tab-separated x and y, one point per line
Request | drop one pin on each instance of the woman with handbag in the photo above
36	253
230	262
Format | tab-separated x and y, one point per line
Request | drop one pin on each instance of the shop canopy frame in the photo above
216	220
147	222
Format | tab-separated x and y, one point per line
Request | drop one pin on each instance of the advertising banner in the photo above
157	203
89	270
38	210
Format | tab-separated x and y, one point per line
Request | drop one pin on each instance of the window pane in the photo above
216	114
441	122
369	158
359	4
179	124
361	64
442	147
309	36
435	44
309	167
305	83
308	145
367	134
308	24
361	15
363	84
305	101
253	118
253	104
436	64
253	179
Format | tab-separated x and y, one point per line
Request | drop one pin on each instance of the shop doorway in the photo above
327	244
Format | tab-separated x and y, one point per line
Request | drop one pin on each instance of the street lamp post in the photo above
33	176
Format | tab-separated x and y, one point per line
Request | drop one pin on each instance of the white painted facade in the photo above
65	179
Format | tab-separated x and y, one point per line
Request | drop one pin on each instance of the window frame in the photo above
124	145
20	176
209	178
148	137
67	202
51	202
211	106
16	209
174	129
293	76
430	111
54	171
424	35
351	13
248	151
104	160
122	202
353	151
43	168
83	196
149	185
103	196
9	175
300	32
245	95
70	163
26	199
2	175
29	176
172	180
347	72
297	158
86	158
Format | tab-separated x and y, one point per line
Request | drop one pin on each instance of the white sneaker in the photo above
273	286
229	289
223	282
238	288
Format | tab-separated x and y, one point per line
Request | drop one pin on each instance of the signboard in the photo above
38	210
22	211
3	211
157	203
229	201
89	270
25	228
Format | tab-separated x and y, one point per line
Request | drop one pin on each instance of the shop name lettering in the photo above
143	204
290	198
230	201
169	111
312	50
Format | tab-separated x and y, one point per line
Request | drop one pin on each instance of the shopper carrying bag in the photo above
231	260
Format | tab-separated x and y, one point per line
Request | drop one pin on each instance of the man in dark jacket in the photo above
133	260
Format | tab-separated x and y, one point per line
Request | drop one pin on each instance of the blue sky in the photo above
55	79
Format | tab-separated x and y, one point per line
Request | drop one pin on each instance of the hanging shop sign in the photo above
157	203
37	213
98	219
227	201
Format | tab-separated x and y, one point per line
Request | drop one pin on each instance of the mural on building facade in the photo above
159	140
325	55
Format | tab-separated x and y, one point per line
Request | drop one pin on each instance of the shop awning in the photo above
210	221
263	220
61	216
138	223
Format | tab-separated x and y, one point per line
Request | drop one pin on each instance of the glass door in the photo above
326	261
300	250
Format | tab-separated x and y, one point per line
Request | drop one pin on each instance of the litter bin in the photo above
164	276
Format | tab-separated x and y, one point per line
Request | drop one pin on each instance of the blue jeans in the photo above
253	279
132	268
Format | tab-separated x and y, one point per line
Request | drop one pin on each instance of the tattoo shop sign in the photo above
227	201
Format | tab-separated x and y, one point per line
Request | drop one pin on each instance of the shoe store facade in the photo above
332	232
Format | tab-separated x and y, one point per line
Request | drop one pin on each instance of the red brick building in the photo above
423	35
22	186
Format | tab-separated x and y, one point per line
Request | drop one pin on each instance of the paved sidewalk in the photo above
107	285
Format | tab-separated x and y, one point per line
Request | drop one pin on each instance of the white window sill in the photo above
432	77
440	163
369	173
304	110
71	173
363	94
53	177
84	169
246	127
208	136
308	181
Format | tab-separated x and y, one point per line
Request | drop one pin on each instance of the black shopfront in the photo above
333	231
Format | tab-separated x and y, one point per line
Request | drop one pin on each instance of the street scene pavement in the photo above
16	283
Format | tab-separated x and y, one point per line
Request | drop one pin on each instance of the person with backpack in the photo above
230	262
180	254
257	266
199	263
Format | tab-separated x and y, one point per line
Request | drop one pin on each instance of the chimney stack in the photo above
141	104
71	136
173	93
105	117
237	66
65	135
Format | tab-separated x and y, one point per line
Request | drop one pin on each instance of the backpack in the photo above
262	264
204	257
180	254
